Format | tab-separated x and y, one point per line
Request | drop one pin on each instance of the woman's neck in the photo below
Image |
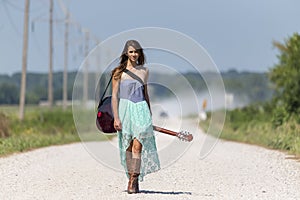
130	64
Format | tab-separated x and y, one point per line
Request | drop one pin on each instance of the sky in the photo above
237	34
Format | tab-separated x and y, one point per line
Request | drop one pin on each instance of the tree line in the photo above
255	87
36	88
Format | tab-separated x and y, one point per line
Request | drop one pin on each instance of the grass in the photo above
21	143
255	126
41	127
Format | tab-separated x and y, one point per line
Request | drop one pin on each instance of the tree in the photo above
8	94
286	75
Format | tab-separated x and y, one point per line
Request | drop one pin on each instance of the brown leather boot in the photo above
134	172
130	188
137	166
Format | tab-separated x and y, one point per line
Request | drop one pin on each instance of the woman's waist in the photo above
133	98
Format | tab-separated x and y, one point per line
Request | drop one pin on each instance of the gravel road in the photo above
230	171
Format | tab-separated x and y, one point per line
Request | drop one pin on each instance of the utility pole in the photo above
86	69
67	21
65	76
24	61
50	75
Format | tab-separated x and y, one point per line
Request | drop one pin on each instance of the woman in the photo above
132	116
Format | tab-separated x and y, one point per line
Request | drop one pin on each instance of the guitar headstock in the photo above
184	136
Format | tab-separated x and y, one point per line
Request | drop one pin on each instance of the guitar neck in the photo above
182	135
163	130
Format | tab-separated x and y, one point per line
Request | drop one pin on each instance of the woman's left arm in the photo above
146	90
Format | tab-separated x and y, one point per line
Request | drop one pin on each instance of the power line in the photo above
12	23
5	4
13	5
21	9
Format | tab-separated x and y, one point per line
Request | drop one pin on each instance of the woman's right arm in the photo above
115	104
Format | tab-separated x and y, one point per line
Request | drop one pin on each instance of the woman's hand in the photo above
117	125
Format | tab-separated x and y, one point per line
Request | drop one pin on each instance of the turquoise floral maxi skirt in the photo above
137	123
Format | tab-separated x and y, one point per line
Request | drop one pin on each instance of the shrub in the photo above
4	126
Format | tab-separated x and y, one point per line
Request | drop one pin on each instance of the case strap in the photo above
134	76
127	72
105	91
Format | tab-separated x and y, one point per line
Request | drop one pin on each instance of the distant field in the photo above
9	109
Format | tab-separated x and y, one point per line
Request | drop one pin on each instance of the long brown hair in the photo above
117	72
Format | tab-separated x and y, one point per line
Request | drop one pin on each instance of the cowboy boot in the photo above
130	187
130	171
133	172
136	165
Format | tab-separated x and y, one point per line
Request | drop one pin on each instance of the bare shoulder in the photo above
142	72
142	67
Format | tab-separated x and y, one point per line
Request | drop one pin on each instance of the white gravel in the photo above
230	171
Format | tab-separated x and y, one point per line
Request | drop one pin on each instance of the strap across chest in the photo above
134	76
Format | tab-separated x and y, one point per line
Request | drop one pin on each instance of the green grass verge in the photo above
254	126
41	127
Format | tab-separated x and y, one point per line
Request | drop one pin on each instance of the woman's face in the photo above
132	54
